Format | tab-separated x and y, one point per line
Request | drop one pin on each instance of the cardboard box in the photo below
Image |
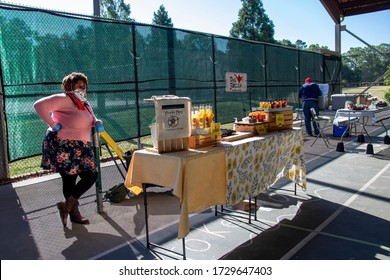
200	141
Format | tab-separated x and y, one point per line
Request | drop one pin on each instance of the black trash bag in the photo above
116	194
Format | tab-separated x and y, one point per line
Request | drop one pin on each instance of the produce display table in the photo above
197	178
222	175
257	163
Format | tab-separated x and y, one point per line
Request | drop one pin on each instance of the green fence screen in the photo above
129	62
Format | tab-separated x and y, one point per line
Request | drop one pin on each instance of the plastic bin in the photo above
323	102
339	130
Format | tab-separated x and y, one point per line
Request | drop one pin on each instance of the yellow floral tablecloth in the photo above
257	163
221	175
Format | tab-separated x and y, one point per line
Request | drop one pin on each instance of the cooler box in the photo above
338	100
339	130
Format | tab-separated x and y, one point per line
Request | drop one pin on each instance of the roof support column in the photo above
338	38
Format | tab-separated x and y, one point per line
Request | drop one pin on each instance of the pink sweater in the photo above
59	108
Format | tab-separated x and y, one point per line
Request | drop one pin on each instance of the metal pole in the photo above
338	38
171	61
344	28
96	8
4	167
265	72
214	79
134	54
386	56
96	146
376	81
338	51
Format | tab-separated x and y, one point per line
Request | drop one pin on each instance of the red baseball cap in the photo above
308	80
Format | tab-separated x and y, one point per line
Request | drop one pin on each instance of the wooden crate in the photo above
270	117
249	127
200	141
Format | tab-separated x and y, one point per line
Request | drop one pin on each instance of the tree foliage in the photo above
316	47
286	42
365	64
161	17
115	9
300	45
387	80
253	23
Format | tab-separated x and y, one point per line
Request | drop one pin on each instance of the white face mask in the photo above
80	94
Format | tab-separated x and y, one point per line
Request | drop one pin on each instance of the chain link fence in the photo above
129	62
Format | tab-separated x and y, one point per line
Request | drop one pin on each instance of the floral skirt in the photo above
67	156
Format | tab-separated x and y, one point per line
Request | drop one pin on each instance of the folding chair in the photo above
300	116
123	157
321	119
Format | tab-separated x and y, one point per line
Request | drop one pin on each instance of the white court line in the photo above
308	238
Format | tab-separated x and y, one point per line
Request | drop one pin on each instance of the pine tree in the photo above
161	17
253	23
115	9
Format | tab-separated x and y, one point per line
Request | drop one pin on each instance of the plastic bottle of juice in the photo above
195	117
202	116
210	115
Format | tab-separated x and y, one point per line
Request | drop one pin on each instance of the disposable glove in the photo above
57	127
99	126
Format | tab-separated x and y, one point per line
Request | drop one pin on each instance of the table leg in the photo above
360	138
369	148
256	208
386	139
148	243
340	147
145	196
250	210
184	248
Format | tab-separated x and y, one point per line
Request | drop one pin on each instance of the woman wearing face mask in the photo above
67	147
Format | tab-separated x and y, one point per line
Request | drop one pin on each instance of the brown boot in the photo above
63	212
75	215
65	207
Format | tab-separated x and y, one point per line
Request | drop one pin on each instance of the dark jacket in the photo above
310	91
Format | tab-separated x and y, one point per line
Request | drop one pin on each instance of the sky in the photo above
306	20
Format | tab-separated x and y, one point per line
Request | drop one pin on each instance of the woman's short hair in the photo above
70	80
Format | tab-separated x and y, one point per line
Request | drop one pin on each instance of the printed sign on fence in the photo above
236	82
